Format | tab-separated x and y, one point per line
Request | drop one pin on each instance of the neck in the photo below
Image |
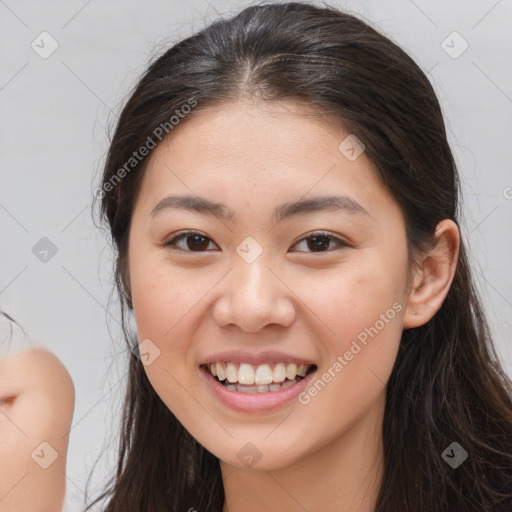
343	476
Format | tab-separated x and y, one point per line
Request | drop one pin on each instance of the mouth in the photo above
254	379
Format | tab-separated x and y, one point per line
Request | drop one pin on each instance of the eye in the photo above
318	241
194	242
197	242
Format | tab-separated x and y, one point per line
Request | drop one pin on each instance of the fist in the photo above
37	400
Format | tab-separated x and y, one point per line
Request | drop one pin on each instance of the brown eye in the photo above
194	242
320	242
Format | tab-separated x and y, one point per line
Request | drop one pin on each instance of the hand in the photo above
37	399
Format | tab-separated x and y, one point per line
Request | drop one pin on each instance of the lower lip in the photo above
254	402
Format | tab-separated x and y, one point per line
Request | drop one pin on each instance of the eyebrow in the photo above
284	211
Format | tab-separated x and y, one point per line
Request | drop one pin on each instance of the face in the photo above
265	286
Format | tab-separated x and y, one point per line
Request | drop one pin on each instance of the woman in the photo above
284	206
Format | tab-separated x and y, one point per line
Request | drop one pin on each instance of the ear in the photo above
434	276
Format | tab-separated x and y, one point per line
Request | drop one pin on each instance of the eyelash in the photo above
171	244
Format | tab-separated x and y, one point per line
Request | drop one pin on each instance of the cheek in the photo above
360	320
353	299
159	291
166	303
163	299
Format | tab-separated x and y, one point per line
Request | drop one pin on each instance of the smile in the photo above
252	388
264	378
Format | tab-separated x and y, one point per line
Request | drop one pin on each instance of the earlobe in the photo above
434	276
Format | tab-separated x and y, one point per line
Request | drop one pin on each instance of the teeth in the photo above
246	374
291	371
231	373
279	373
302	369
221	374
257	376
263	374
260	389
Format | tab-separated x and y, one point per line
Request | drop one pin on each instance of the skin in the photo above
37	399
326	455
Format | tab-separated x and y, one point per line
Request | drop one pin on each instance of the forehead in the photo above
255	131
268	153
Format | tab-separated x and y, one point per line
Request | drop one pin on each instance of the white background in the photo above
53	139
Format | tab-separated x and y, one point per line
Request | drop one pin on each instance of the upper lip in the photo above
238	356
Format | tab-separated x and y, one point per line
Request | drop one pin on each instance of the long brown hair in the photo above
447	384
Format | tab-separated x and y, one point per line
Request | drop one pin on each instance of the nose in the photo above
253	296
